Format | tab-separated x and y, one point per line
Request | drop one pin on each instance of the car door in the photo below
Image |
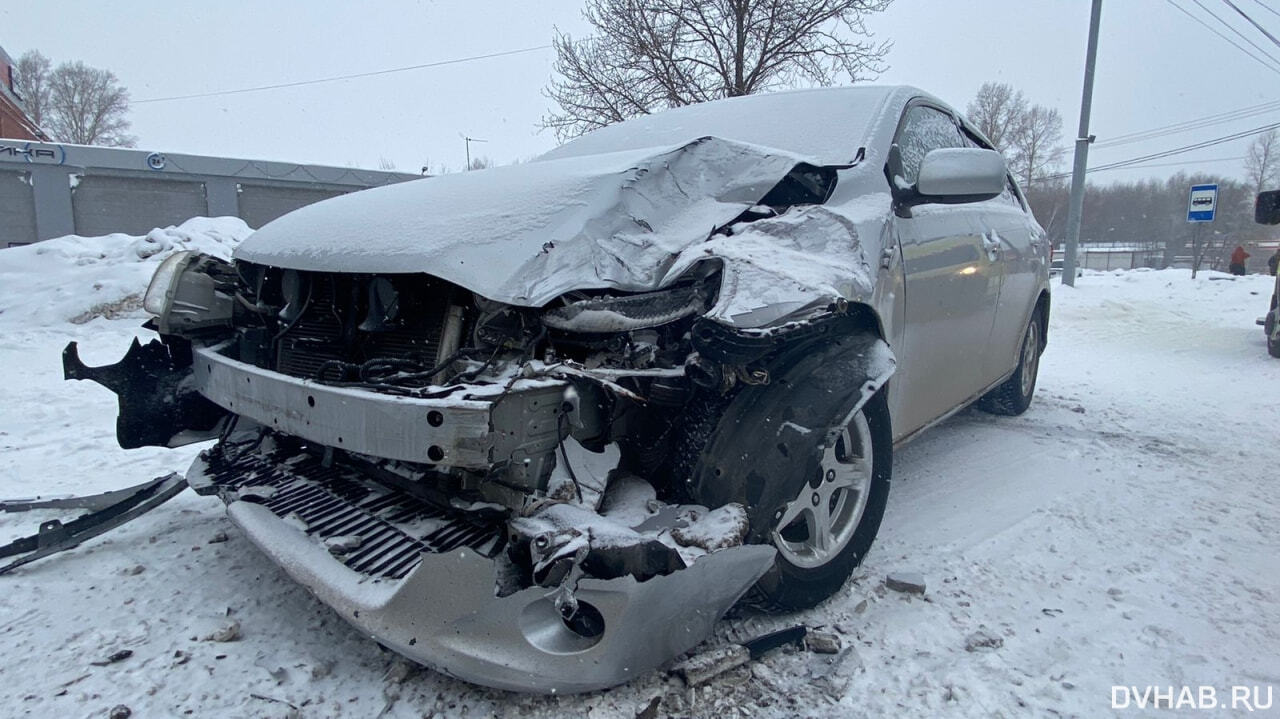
1020	242
952	284
1017	242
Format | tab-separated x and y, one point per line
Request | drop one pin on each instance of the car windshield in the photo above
828	125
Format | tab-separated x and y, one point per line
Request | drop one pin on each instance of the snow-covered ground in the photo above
1125	531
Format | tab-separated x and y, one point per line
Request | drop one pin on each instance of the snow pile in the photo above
75	279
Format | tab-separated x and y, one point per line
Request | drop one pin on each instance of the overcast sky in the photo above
1156	67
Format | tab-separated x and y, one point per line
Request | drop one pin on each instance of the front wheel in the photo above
812	472
828	527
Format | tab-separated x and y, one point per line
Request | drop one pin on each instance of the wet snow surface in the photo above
1123	531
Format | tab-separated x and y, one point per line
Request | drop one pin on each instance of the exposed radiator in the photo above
337	503
329	326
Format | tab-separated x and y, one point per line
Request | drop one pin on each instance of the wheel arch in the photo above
852	368
1042	307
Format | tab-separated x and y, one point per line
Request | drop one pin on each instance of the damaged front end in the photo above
496	489
459	478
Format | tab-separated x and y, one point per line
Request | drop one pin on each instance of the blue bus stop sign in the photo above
1202	203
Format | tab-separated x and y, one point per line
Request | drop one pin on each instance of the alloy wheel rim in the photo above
819	523
1030	357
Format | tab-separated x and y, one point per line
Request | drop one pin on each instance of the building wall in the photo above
17	208
14	122
49	190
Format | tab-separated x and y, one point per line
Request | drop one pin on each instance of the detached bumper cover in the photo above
431	596
444	613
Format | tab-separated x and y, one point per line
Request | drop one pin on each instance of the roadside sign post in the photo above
1202	205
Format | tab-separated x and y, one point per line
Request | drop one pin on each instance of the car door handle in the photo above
886	256
991	244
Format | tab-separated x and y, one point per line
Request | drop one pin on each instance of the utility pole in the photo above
470	140
1083	138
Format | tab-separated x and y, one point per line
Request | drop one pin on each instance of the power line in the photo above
1189	148
1269	9
1175	151
1253	22
336	78
1233	29
1144	165
1215	31
1193	124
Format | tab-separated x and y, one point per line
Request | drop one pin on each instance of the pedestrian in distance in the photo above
1273	262
1238	256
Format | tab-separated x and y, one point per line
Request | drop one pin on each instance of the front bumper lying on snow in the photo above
422	581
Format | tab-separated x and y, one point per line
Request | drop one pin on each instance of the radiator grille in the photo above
394	528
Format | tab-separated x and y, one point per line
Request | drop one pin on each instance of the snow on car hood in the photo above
525	234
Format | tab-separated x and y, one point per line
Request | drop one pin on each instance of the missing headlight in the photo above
608	314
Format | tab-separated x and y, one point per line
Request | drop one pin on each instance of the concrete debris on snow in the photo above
228	632
905	582
833	673
822	642
1004	516
703	666
982	640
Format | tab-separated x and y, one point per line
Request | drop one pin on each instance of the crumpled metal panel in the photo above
445	614
525	234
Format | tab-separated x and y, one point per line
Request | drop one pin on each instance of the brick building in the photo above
14	123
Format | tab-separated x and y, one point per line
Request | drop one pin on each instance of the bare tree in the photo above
74	102
33	83
87	106
1036	145
999	112
1029	136
1262	162
648	55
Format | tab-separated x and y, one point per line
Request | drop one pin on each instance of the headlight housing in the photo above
692	294
626	313
189	292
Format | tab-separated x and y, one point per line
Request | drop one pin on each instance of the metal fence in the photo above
48	190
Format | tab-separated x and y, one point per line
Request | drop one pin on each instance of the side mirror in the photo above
962	174
1266	209
952	175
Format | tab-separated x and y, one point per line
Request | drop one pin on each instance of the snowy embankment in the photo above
1122	532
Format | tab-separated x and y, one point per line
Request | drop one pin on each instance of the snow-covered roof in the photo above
828	124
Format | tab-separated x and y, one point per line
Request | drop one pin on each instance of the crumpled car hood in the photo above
525	234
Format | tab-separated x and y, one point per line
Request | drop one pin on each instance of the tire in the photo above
1273	337
774	450
1013	396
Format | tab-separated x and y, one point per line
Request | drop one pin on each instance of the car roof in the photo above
827	125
